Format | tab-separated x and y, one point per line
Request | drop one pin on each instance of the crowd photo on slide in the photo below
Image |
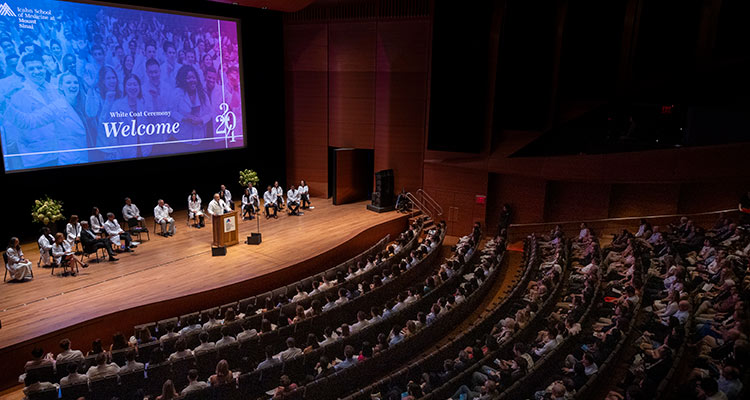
87	83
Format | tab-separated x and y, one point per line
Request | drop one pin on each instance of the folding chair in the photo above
64	265
86	254
139	230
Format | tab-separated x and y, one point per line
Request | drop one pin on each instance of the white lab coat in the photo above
18	269
113	231
97	223
45	245
270	197
60	250
194	207
72	232
292	196
131	211
162	214
217	207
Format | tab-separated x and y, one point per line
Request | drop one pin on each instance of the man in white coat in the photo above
162	217
132	214
292	201
217	206
116	234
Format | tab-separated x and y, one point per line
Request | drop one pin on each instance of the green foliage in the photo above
248	175
46	211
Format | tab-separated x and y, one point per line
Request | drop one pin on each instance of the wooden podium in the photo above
225	229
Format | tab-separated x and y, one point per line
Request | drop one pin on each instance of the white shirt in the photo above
227	195
72	232
302	190
270	197
96	222
278	190
194	206
217	207
44	244
60	250
162	213
113	230
131	211
292	196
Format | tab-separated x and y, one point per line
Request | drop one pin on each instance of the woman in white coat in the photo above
195	210
17	265
45	243
73	231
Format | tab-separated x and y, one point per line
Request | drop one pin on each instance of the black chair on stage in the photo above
74	392
138	230
64	264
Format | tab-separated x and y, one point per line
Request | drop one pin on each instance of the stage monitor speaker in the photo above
254	238
383	195
218	251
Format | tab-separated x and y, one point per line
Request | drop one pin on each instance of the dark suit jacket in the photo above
89	240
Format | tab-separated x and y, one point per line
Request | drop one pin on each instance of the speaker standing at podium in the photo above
217	206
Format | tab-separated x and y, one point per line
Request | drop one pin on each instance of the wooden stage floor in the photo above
164	269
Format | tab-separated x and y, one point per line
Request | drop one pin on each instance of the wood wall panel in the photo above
632	200
714	195
455	187
526	197
306	105
570	201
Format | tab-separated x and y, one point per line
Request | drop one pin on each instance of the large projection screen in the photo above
86	82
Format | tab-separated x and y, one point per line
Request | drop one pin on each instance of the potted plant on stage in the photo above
247	176
47	211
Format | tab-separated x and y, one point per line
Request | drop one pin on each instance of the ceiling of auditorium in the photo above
285	5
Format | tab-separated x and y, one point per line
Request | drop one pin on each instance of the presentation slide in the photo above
88	82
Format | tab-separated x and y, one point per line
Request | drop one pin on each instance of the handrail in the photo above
421	206
431	201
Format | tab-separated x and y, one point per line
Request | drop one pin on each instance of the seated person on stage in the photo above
116	234
304	194
73	230
45	243
269	200
161	216
248	208
292	201
17	265
195	210
217	206
97	221
254	197
132	214
91	242
279	195
226	195
62	251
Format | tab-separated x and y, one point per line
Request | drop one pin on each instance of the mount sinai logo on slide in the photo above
6	11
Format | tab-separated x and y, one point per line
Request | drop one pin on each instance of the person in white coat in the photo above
73	231
116	234
195	210
279	192
62	251
249	201
45	243
162	217
226	195
303	191
292	201
217	206
17	265
96	221
132	214
270	202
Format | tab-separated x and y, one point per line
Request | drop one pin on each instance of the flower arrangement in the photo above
248	175
46	211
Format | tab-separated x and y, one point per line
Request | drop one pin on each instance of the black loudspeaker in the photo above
254	238
218	251
383	195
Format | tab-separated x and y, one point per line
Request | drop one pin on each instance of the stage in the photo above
167	277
